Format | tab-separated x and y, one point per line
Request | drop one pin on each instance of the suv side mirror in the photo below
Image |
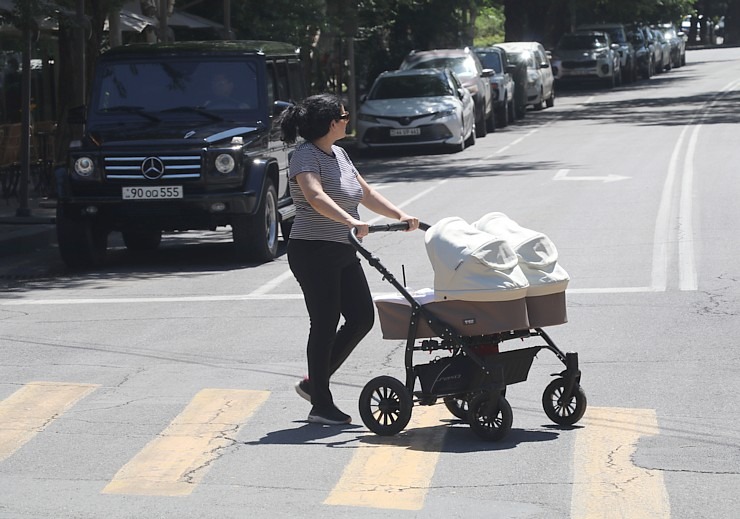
76	115
487	72
510	69
461	93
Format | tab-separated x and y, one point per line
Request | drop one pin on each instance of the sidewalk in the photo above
26	234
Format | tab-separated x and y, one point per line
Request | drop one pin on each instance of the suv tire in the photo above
481	128
82	243
256	236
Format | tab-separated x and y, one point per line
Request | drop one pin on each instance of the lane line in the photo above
606	484
662	234
686	256
254	296
394	472
177	460
33	408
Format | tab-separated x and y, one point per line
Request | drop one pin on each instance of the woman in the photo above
327	190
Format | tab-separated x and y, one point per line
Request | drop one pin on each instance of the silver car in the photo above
587	55
538	79
416	107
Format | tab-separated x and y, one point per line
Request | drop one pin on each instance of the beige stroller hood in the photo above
538	257
472	265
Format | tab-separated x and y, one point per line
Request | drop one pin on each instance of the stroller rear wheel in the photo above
490	422
458	406
385	406
557	409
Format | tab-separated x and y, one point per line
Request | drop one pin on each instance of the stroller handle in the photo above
386	227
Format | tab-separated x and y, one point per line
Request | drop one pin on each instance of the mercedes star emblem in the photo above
152	168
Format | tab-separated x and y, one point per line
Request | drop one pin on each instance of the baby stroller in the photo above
471	378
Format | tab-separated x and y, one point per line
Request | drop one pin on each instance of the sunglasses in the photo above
344	116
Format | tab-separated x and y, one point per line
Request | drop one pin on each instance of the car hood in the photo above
408	107
174	134
577	53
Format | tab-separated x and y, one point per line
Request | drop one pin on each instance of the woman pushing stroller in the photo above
327	190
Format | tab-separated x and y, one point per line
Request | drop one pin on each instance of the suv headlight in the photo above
84	167
225	163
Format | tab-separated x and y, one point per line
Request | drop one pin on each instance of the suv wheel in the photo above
491	121
82	242
481	130
256	236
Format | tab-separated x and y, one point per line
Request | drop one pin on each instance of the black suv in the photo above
181	136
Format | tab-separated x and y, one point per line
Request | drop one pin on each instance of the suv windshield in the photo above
464	67
410	86
582	41
171	85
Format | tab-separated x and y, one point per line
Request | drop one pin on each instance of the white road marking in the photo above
563	175
686	262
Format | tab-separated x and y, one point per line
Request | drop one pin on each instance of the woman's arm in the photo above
310	184
381	205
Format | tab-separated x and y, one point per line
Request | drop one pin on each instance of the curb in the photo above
24	240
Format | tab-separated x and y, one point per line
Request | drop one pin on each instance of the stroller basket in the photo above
460	374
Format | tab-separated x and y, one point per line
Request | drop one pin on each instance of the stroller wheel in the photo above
458	406
559	411
490	425
385	406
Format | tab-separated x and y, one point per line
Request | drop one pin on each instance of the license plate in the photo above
403	132
151	192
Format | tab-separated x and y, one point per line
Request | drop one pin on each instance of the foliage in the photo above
489	26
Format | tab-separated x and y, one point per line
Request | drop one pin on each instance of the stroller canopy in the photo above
472	265
538	257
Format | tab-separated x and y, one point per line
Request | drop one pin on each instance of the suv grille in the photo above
173	167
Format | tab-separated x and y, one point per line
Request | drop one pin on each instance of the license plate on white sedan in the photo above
404	132
151	192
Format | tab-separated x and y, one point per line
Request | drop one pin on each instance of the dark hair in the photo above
311	118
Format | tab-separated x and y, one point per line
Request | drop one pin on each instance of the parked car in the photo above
655	46
667	61
159	153
502	84
678	44
416	107
587	55
645	60
468	68
538	82
618	35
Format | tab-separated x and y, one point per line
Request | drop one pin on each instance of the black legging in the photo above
333	283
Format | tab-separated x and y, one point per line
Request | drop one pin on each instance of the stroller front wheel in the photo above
490	422
385	406
559	410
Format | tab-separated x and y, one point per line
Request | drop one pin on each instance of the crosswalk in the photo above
391	473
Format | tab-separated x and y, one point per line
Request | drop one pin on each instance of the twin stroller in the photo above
495	281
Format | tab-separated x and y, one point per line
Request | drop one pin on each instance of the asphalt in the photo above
27	230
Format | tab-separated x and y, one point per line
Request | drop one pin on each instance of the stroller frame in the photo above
472	380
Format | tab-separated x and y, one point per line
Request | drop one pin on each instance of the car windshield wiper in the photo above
138	110
194	109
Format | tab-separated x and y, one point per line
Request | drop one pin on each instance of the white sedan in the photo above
416	107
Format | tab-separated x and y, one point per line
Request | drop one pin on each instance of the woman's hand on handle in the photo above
361	228
411	220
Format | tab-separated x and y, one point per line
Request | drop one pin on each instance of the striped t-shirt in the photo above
339	181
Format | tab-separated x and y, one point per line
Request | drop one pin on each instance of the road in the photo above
162	386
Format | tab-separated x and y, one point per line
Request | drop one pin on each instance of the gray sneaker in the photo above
303	389
331	416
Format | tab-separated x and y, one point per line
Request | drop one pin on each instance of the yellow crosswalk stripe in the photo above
177	460
394	472
33	408
606	483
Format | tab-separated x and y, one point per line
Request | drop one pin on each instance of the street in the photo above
161	385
